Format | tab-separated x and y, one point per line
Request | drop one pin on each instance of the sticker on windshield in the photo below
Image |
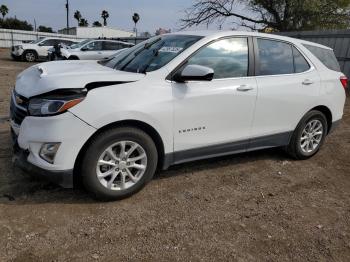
171	49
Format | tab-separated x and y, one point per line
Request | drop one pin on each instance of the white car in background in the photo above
171	99
38	49
98	49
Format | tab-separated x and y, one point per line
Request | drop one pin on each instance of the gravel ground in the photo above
259	206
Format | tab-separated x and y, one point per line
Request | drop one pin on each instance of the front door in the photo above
92	51
214	118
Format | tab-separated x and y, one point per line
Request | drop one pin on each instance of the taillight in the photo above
344	81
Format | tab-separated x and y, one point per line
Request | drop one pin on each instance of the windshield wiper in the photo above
155	54
146	46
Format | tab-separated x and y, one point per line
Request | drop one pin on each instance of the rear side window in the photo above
300	63
275	58
111	45
326	56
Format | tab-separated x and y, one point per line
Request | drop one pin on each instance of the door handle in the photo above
307	82
244	88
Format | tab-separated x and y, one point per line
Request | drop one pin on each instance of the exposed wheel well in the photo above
328	114
73	57
125	123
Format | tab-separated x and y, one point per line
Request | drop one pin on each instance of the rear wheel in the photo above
29	56
309	136
118	163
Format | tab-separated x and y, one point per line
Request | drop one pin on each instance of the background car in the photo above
31	52
94	49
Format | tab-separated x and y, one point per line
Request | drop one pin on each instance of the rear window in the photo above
326	56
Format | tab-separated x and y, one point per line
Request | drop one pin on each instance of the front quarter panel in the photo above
148	100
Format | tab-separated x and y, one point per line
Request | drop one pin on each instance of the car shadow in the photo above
29	190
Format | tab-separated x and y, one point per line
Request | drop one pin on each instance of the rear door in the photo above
288	85
110	48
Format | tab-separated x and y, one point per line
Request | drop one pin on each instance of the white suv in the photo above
172	99
94	49
33	51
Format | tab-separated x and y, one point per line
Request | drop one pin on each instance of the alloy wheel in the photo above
121	165
311	136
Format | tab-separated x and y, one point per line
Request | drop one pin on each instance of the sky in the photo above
52	13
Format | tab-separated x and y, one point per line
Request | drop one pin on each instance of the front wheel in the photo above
309	136
118	163
30	56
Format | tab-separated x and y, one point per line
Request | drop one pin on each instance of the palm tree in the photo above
83	22
4	10
77	16
136	18
104	16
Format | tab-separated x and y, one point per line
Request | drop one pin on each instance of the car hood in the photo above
46	77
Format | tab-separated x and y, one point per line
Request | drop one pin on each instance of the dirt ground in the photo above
259	206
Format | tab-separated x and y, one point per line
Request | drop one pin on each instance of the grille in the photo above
18	108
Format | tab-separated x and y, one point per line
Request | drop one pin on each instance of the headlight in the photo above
20	47
47	106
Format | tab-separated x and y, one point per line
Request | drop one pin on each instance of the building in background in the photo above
162	31
96	32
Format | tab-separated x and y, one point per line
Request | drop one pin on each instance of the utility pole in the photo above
67	7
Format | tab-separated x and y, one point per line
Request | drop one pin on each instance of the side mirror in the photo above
83	49
194	73
40	44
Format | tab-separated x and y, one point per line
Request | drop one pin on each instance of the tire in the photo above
303	144
114	187
30	56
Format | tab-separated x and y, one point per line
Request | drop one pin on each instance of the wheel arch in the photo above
73	57
328	114
150	130
30	50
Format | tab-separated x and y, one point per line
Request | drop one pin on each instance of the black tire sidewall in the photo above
313	115
103	141
25	58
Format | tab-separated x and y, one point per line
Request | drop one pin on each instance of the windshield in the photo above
152	54
80	44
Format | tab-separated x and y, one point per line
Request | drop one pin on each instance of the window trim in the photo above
251	58
257	57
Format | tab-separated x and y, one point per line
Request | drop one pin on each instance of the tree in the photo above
42	28
14	23
136	18
104	16
4	11
83	22
96	24
273	15
77	16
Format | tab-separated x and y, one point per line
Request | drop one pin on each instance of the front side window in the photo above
80	44
49	42
275	58
94	46
228	58
152	54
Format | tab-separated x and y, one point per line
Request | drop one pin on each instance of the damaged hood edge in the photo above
47	77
